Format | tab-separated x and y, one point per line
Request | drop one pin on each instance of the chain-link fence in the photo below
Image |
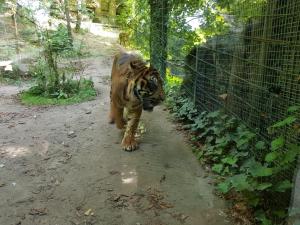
253	71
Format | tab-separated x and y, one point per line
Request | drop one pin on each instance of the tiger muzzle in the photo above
148	105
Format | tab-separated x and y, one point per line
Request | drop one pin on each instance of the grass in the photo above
28	98
10	81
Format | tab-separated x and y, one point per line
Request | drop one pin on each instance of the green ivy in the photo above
244	163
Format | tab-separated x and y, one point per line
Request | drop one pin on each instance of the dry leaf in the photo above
88	212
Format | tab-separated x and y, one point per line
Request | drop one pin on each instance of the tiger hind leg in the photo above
117	117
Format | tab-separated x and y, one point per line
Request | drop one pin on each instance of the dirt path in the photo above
59	163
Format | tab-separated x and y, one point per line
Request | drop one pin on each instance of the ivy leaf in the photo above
217	168
242	154
261	216
231	160
263	186
213	114
200	155
199	123
226	170
223	141
283	186
277	143
271	156
241	142
294	108
209	139
260	145
240	183
254	201
291	154
260	171
280	213
245	138
224	187
287	121
250	163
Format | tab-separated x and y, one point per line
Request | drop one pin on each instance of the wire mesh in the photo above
252	71
256	67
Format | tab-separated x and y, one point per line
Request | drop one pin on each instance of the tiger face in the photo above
149	89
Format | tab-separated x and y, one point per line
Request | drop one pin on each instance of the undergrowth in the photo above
250	171
84	92
55	81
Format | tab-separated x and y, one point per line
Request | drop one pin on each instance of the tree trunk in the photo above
15	25
16	32
159	15
67	14
78	15
112	11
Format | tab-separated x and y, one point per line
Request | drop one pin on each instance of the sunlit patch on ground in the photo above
14	151
97	29
129	177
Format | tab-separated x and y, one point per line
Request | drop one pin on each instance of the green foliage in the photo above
53	82
48	86
243	10
245	164
58	41
134	20
85	92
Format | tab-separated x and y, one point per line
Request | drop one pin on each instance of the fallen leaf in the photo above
114	172
163	178
223	96
11	126
88	212
117	198
39	212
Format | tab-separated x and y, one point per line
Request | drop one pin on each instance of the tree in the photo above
67	14
78	15
159	16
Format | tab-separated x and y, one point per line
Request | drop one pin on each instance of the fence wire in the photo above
253	71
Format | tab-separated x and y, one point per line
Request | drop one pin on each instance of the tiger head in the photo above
148	86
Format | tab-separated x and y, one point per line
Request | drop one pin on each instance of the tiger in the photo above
135	87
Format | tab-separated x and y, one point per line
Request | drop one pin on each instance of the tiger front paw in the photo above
129	144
